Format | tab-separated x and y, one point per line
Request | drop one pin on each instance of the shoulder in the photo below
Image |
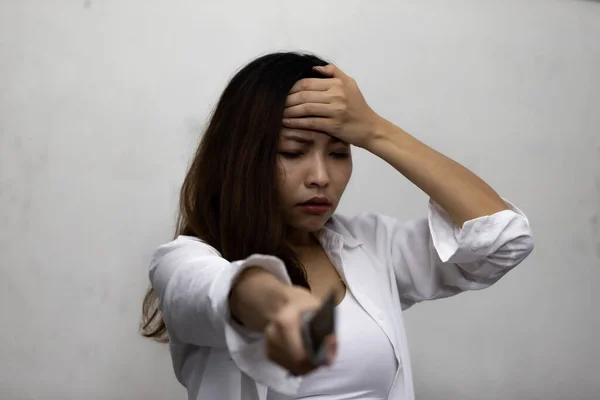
366	227
367	239
183	247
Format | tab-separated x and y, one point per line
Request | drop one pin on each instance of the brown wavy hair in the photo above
229	195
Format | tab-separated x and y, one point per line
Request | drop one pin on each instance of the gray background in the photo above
102	103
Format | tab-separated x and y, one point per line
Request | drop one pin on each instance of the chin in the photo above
313	223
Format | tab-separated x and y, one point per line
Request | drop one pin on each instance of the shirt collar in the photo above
332	239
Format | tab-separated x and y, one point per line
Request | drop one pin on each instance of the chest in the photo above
370	279
323	275
372	282
362	347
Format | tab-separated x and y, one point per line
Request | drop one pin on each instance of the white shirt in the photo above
387	264
365	365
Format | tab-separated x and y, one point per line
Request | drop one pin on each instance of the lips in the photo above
316	206
316	201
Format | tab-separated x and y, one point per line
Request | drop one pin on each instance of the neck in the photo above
299	239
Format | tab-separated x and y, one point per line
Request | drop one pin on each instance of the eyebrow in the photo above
304	140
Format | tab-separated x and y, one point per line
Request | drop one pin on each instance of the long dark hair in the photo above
229	196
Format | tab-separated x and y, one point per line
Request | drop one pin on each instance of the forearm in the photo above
255	298
457	190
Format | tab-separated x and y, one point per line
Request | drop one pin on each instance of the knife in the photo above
316	326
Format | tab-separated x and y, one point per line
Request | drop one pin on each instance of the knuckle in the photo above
339	96
270	339
281	323
285	321
269	331
297	358
300	359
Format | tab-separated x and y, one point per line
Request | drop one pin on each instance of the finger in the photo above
288	332
278	348
322	124
331	71
281	358
309	110
292	340
332	345
306	97
312	84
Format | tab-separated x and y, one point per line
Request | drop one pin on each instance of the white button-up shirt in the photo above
387	264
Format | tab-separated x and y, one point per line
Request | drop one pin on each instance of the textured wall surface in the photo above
102	103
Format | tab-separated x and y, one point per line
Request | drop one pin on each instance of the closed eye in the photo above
340	155
287	154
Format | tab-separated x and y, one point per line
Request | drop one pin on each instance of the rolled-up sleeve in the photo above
486	245
192	283
434	258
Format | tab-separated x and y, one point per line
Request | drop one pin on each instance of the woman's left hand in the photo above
331	105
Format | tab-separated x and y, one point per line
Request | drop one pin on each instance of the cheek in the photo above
349	170
343	175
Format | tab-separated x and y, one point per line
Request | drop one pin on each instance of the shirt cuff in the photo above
246	348
478	238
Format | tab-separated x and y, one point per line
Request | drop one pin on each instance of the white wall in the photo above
102	102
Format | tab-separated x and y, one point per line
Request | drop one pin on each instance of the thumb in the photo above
331	71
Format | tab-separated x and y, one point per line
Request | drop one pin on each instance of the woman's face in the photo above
314	171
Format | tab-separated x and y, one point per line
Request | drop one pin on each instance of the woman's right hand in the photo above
283	333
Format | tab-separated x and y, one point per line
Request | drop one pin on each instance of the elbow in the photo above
507	257
530	244
522	244
525	246
189	313
187	304
516	251
525	242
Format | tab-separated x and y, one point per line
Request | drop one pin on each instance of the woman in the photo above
259	244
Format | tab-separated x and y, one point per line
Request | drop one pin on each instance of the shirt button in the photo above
475	246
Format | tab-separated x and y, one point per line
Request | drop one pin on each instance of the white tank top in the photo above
365	365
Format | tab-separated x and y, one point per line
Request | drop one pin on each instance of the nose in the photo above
318	174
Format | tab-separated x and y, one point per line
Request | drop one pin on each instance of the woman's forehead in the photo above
306	136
